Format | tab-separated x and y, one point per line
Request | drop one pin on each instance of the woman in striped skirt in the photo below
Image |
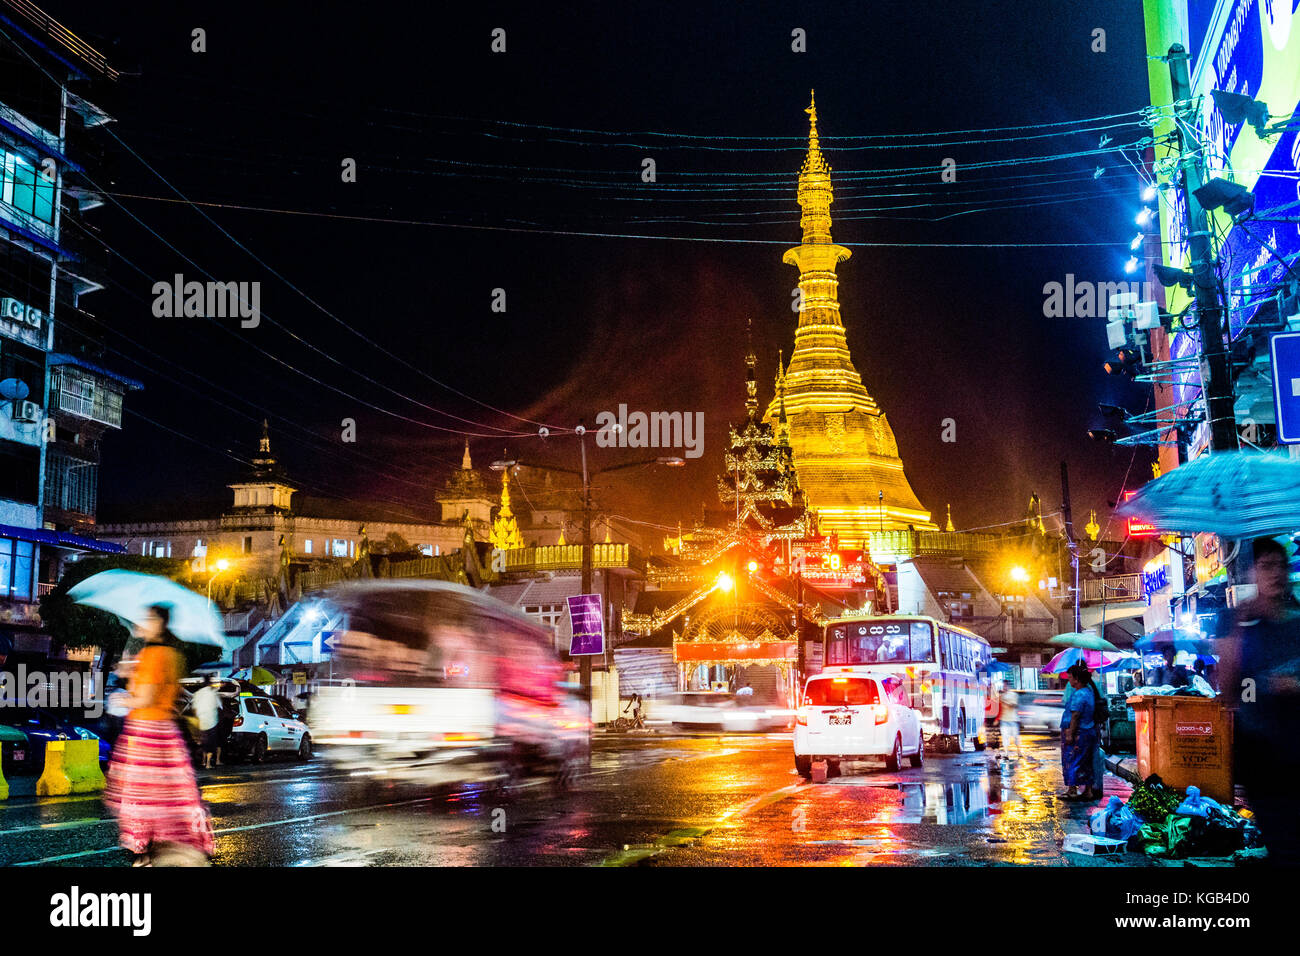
151	786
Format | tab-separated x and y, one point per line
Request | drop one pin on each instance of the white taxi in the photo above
856	715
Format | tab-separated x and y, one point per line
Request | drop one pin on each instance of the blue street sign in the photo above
587	624
1285	348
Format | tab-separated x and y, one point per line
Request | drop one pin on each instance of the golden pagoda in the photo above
845	455
505	528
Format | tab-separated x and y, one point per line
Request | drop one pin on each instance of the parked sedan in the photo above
262	726
42	727
15	752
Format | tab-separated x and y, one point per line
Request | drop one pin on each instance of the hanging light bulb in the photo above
1149	193
1131	265
1144	217
1137	241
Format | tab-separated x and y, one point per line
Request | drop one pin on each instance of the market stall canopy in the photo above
1235	494
1158	642
130	594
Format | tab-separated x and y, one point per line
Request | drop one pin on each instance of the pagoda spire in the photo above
465	463
949	526
264	446
505	528
844	449
751	382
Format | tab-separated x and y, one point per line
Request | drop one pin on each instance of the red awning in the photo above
701	651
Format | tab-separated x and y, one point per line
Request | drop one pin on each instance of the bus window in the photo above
922	640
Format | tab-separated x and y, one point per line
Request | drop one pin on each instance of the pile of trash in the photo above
1158	822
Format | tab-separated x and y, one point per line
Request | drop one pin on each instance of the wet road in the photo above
652	800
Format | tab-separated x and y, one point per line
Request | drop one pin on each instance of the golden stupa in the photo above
845	455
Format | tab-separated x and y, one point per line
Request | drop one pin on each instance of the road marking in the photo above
64	825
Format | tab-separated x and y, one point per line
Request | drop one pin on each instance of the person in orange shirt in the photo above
151	786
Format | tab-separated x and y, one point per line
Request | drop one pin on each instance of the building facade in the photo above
48	440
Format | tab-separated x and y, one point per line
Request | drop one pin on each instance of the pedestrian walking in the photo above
1259	672
1079	736
1009	720
207	708
151	787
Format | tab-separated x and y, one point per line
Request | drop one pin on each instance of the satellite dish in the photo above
13	389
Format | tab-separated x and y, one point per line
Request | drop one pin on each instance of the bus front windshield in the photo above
872	642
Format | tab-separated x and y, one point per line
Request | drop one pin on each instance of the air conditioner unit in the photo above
27	412
35	317
13	310
1116	334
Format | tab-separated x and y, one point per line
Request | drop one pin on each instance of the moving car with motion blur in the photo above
1040	711
849	714
712	710
438	683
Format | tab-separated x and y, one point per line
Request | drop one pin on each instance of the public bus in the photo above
943	667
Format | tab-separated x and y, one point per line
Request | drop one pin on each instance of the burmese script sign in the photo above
587	624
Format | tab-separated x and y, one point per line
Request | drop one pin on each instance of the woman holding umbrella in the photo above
151	786
1079	736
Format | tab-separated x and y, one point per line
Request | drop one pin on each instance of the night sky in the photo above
497	159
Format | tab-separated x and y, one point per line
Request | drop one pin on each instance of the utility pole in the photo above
1070	541
584	660
1215	370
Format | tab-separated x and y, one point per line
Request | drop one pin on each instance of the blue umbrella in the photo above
129	595
1234	494
1129	662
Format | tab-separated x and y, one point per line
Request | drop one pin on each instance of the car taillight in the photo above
882	713
801	717
238	721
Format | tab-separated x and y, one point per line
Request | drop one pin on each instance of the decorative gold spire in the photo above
751	383
505	528
844	449
561	541
949	526
1092	528
465	462
814	162
264	446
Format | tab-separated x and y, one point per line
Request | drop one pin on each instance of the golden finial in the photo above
815	162
561	541
1092	529
950	525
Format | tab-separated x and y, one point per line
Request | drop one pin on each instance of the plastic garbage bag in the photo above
1115	820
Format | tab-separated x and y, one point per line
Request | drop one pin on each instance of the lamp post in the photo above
586	474
222	565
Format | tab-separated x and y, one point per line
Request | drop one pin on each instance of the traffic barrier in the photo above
71	766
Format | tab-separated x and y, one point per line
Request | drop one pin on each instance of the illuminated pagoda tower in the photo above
760	484
505	528
844	450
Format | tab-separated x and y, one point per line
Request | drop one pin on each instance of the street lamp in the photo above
584	660
222	565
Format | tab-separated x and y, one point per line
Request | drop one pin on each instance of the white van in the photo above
439	683
851	714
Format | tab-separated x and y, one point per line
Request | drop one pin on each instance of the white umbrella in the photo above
130	594
1232	494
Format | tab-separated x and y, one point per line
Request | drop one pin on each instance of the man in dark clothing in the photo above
1260	681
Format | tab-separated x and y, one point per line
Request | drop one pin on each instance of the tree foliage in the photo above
73	625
